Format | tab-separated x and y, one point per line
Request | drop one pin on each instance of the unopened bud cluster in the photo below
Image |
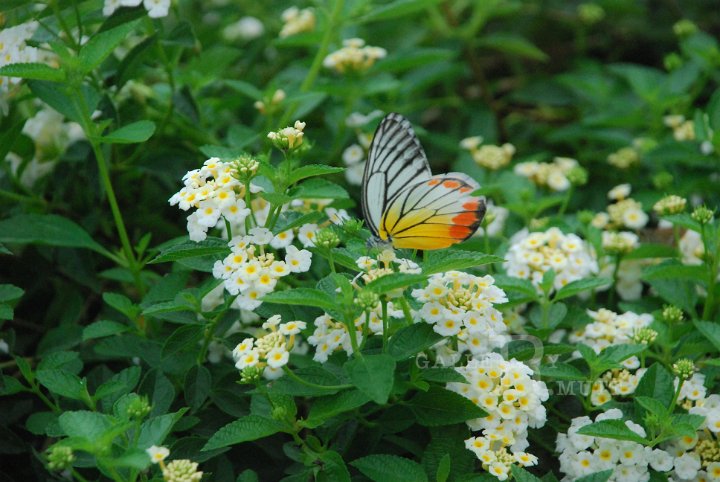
288	138
703	215
670	205
684	368
326	238
138	408
60	458
672	314
645	336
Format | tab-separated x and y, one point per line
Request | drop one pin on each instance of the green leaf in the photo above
88	425
555	315
57	96
443	471
103	328
373	375
101	45
134	133
10	292
33	71
603	476
184	337
192	249
319	189
63	383
381	467
293	219
198	382
656	407
248	428
512	44
46	229
657	383
411	340
311	170
10	385
302	297
125	381
332	468
578	286
394	281
561	371
673	271
155	430
438	407
710	330
327	383
327	407
613	429
510	283
121	303
456	259
619	353
439	374
398	8
522	475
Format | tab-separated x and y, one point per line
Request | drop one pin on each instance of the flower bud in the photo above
590	13
138	408
684	28
326	238
251	374
288	138
182	471
672	62
367	300
662	180
60	458
684	368
703	215
670	205
645	336
578	176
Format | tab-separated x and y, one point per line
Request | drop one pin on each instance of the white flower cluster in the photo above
155	8
355	56
270	352
710	409
629	284
513	401
331	335
217	194
692	391
582	455
619	242
553	175
624	158
619	383
385	263
488	156
683	129
460	304
532	254
250	272
625	212
297	21
290	137
610	328
692	248
247	28
14	49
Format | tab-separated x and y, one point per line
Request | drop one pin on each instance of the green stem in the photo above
711	261
58	14
676	395
50	404
295	377
386	328
406	310
76	475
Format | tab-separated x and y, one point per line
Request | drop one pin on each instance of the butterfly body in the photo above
405	204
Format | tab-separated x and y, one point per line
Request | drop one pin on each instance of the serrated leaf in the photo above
603	476
34	71
438	407
410	340
522	475
578	286
302	297
101	45
394	281
85	424
657	383
312	170
63	383
456	259
103	328
134	133
197	386
710	330
381	467
613	429
155	430
373	375
248	428
324	408
192	249
561	371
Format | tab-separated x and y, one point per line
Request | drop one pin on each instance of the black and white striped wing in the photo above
396	159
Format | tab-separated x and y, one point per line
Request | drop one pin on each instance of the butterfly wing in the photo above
396	159
433	213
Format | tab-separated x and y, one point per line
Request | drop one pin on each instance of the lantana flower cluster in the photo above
249	271
615	383
556	175
609	328
683	129
297	21
532	254
355	56
216	194
513	401
331	335
270	352
14	50
582	455
461	304
488	156
624	158
624	213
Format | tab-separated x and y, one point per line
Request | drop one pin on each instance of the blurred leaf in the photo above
134	133
46	229
395	9
33	71
381	467
511	44
456	259
198	382
576	287
710	330
103	328
302	297
102	44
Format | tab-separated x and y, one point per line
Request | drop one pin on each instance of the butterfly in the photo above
403	203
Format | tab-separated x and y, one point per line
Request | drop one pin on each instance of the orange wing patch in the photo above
433	214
